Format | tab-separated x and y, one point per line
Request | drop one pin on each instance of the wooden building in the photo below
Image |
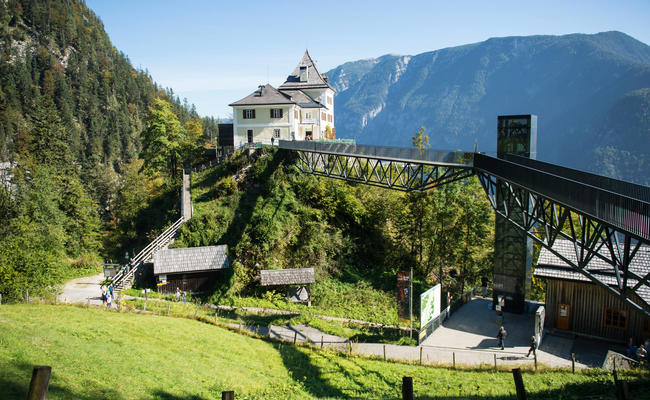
193	269
575	304
289	279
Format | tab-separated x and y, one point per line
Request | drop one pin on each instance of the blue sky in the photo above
216	52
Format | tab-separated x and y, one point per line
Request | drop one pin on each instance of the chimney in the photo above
325	78
261	90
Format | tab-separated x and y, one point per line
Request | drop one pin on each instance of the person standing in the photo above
103	295
533	346
178	294
501	336
110	289
109	300
184	295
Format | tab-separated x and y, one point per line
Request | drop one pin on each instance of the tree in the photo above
420	140
163	139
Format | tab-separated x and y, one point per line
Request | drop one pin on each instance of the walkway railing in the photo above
124	278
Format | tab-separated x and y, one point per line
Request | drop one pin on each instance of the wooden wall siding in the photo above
190	282
588	303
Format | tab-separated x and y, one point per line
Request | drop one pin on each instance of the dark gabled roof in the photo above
191	259
294	276
314	78
551	266
268	96
302	99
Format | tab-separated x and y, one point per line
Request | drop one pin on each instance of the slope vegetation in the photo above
96	354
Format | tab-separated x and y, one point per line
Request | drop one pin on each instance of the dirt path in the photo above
81	289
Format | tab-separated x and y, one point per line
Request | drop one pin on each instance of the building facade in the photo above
575	304
302	108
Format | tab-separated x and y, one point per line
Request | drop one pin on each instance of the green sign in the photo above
429	305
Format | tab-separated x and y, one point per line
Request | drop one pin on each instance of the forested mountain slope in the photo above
72	116
587	91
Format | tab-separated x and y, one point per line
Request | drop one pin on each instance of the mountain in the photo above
590	93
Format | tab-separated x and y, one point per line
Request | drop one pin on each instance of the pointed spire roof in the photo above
314	78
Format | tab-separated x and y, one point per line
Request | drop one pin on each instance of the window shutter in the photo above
253	112
271	113
280	112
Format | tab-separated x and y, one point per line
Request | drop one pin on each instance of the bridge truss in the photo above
604	219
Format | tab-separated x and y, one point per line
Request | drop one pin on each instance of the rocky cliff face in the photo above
582	87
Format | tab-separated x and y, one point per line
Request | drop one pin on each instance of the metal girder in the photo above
544	220
398	175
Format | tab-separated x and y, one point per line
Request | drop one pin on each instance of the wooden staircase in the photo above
124	279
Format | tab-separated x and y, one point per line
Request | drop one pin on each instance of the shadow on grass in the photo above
14	384
162	395
304	372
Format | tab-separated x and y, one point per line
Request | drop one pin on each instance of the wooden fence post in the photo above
535	355
0	299
27	295
40	382
519	384
321	342
573	362
349	347
169	306
384	352
495	361
453	354
146	297
420	355
295	336
407	388
228	395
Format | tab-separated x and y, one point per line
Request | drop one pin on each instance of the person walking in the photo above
110	289
533	346
103	295
109	300
501	336
178	294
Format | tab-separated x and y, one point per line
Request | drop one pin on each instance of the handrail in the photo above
145	253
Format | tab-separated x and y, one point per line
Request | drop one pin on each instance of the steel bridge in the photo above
604	218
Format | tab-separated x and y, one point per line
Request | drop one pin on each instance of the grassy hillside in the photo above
96	354
356	237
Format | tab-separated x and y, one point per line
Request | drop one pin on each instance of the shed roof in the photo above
551	266
294	276
191	259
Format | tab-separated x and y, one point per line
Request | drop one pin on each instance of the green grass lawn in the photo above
97	354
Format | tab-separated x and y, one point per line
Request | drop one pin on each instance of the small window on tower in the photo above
276	133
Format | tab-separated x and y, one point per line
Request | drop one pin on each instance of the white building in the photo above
302	108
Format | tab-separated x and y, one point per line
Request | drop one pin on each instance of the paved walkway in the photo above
81	289
471	333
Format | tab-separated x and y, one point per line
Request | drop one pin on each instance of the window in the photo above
295	114
249	114
329	100
323	116
329	118
276	133
615	318
307	114
276	113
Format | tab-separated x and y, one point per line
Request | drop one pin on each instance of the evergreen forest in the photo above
92	150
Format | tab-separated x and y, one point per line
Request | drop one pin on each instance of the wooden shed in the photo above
289	278
574	303
193	269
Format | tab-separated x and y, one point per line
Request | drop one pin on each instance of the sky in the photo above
215	52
